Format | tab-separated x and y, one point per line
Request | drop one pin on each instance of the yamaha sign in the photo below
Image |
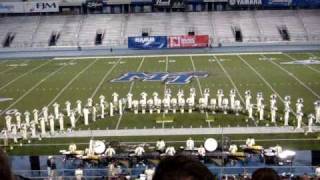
245	2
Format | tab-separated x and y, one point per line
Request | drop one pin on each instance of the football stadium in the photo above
160	89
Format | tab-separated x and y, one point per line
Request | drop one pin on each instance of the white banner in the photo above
215	0
29	7
117	1
42	6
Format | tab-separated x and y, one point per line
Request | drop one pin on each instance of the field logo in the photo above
168	78
303	62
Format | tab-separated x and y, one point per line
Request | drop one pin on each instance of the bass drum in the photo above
210	144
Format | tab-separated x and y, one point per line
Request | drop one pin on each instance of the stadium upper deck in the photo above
113	30
137	6
50	26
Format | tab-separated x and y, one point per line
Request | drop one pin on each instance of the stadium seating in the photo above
223	27
94	24
47	25
70	31
23	27
310	20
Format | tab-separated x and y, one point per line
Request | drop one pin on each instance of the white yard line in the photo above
22	75
266	82
262	78
104	78
166	70
293	76
165	86
6	70
71	81
232	82
313	69
306	65
229	77
130	90
170	55
197	79
11	68
32	88
198	82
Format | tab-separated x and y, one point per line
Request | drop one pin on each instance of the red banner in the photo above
197	41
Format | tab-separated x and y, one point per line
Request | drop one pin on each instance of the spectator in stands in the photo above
317	172
49	165
5	170
305	177
182	168
265	174
149	172
53	168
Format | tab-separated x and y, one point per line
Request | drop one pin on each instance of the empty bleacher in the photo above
311	23
223	24
113	30
23	27
70	31
48	26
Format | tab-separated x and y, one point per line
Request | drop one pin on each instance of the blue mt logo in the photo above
168	78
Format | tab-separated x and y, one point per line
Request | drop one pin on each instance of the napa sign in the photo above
168	78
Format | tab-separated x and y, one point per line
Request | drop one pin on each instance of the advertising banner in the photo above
117	1
198	41
41	6
11	7
29	7
306	3
225	1
141	2
275	3
245	2
149	42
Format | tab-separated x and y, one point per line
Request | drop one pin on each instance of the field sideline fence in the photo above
135	172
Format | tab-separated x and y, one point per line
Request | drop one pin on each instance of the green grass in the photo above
86	83
19	83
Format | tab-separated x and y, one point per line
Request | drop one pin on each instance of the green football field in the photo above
36	83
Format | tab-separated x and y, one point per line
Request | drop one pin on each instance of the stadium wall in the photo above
105	51
143	6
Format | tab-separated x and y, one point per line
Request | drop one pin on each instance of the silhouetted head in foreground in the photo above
182	168
5	170
265	174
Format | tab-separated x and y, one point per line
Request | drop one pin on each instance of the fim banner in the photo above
198	41
37	6
149	42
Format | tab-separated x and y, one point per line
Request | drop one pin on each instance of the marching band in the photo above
44	121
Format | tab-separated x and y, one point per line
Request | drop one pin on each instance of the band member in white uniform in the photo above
248	99
190	144
110	152
170	151
317	110
8	122
139	151
161	145
201	151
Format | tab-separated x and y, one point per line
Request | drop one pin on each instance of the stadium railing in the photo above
135	172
